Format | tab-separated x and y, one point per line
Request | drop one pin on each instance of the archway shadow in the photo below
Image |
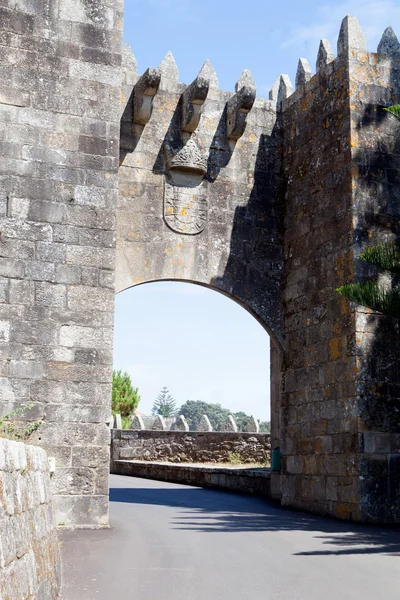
213	511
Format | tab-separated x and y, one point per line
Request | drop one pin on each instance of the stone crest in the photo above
185	208
185	191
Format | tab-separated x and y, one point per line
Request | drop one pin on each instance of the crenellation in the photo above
351	38
389	45
303	73
169	74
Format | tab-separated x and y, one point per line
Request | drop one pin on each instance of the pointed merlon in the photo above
193	99
143	95
129	62
159	424
304	72
252	425
229	425
207	72
325	54
389	44
281	90
237	109
137	423
181	424
204	424
169	73
245	80
117	422
129	66
351	37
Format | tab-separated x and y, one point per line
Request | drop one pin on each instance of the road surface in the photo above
175	542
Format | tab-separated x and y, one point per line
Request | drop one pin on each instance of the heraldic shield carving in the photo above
185	191
185	208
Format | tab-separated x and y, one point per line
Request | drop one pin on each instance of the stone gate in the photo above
267	201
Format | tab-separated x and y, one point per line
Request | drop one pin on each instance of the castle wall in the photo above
340	399
59	137
30	561
320	463
374	84
237	248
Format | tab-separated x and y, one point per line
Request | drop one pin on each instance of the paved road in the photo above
174	542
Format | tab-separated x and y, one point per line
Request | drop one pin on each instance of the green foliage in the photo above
13	427
394	110
265	427
241	419
193	410
386	256
125	398
165	405
234	458
370	294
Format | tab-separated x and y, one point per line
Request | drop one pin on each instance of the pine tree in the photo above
125	398
165	405
372	294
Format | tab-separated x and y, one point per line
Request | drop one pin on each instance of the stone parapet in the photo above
241	480
30	561
190	446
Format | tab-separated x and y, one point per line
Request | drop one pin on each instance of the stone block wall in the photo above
235	244
340	394
189	446
60	99
30	562
240	480
320	462
375	84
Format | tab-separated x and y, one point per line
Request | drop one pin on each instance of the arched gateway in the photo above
268	201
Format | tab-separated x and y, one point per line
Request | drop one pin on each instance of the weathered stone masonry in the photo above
30	560
340	401
268	202
60	95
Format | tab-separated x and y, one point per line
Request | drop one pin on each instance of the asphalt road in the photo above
174	542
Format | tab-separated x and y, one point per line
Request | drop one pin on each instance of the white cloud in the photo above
373	16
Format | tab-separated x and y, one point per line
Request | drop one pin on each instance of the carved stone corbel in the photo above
143	95
193	99
238	107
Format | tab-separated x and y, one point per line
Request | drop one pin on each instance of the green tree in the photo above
265	427
193	410
242	420
382	298
125	398
165	405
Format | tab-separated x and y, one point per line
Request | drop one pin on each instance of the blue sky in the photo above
198	343
268	37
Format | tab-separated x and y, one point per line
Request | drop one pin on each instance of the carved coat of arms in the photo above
185	191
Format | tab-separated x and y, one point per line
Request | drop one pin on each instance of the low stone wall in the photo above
245	481
190	446
30	563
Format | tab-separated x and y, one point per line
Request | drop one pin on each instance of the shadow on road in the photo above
217	511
